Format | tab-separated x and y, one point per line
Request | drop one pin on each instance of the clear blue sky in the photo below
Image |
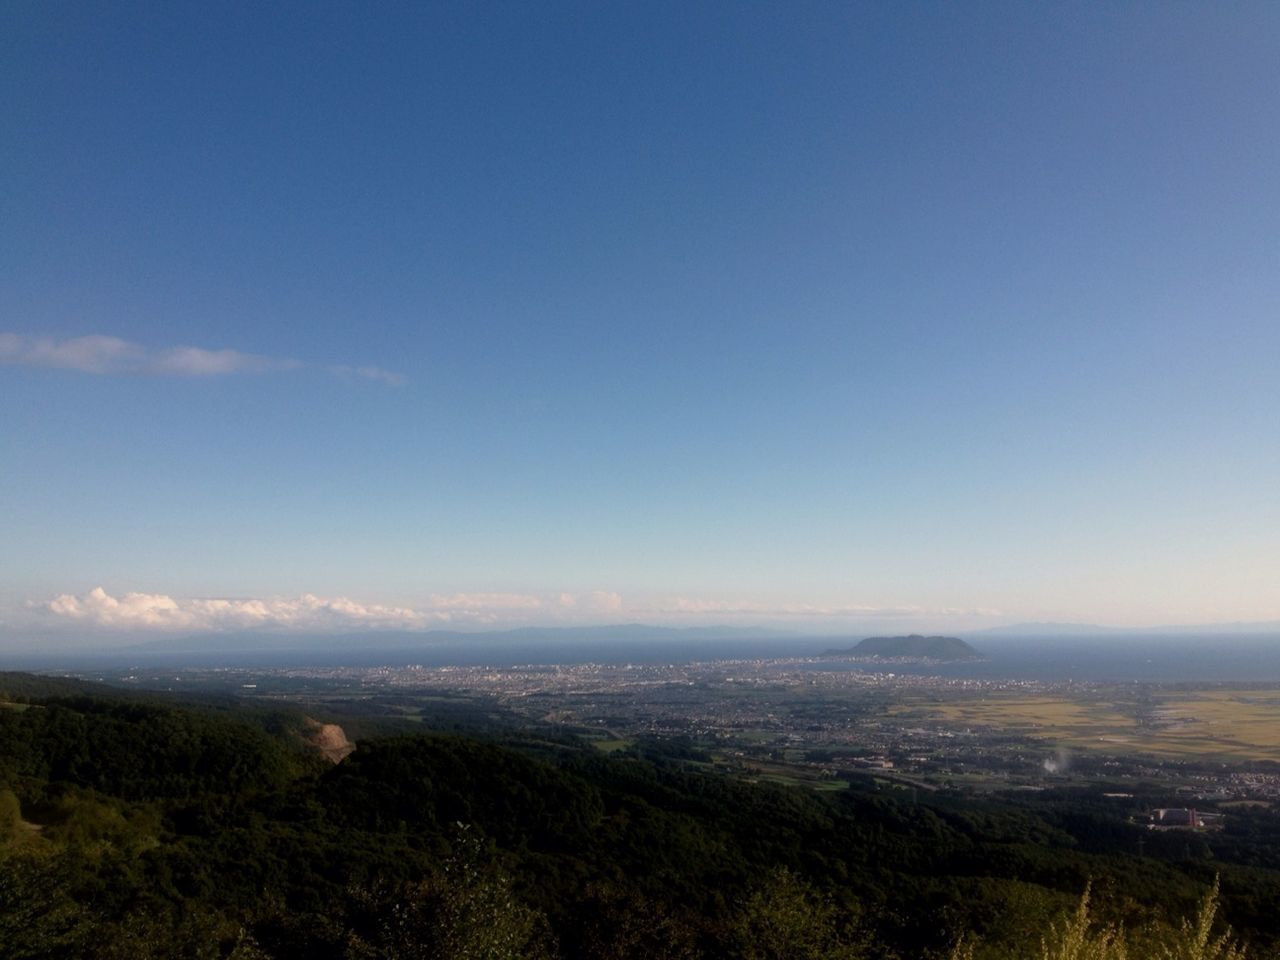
797	313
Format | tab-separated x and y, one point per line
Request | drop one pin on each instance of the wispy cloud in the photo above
707	609
485	602
691	605
196	362
603	601
100	354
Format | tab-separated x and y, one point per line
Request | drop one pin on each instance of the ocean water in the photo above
1166	659
1144	657
1178	658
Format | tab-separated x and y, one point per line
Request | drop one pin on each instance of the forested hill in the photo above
913	646
141	829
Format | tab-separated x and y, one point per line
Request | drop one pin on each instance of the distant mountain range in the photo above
911	647
1053	629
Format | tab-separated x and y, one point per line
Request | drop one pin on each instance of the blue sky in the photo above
823	315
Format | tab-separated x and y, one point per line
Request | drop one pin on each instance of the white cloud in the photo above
308	612
111	355
195	362
94	354
153	610
157	611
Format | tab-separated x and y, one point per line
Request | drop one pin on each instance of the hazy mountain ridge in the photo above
1062	629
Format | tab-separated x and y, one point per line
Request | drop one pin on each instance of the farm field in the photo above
1235	724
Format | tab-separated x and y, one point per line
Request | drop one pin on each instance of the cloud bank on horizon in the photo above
105	355
157	611
99	610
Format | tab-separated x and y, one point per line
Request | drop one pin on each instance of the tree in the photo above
469	913
786	918
1078	938
1195	941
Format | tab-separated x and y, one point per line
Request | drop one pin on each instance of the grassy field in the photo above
609	745
1241	724
793	777
1232	724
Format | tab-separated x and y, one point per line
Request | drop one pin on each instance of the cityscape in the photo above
799	721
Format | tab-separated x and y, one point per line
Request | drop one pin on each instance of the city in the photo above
805	721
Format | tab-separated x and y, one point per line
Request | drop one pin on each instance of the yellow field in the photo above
1241	724
1233	724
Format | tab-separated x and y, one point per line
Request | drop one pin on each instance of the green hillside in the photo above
139	829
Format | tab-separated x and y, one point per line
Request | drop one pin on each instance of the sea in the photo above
1175	658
